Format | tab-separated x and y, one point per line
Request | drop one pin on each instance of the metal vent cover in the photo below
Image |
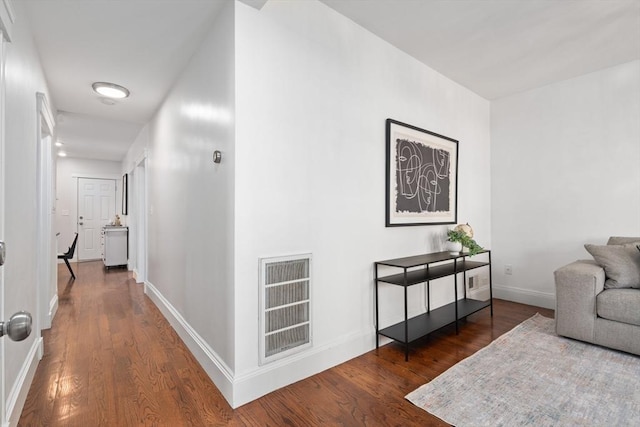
285	306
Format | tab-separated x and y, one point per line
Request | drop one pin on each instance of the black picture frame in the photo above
421	176
125	194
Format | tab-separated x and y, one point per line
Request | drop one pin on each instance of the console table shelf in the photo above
420	276
422	269
426	323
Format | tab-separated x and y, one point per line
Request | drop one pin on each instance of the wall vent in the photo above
285	306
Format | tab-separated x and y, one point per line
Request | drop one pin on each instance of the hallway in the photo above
111	359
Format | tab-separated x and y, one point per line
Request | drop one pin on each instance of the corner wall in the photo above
313	90
191	203
564	172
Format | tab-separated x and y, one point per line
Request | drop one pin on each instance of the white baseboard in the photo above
251	385
18	393
270	377
525	296
214	366
53	309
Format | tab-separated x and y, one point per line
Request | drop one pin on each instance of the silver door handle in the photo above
18	327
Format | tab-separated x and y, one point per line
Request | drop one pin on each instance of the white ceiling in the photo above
140	44
493	47
501	47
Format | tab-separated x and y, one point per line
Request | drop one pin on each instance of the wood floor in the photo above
111	359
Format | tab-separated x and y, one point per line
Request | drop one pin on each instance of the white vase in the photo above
454	248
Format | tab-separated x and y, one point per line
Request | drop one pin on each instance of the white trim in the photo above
525	296
97	176
18	393
45	111
214	366
7	19
141	158
253	384
45	256
280	373
53	309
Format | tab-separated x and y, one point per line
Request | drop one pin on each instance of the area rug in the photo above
532	377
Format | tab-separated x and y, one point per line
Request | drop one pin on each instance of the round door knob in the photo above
18	327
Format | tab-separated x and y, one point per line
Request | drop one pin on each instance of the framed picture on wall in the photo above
125	194
421	176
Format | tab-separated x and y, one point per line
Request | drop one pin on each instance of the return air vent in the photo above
285	306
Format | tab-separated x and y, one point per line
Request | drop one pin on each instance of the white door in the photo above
18	326
2	237
96	208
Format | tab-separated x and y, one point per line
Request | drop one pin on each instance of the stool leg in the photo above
66	261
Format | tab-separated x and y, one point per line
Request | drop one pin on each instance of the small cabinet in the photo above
115	246
424	268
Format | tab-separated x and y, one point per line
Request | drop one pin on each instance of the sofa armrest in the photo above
577	286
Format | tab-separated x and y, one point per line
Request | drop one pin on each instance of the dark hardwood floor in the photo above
111	359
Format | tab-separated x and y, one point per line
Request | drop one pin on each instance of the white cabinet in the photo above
115	246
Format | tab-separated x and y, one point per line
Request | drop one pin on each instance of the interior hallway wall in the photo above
564	172
24	77
191	202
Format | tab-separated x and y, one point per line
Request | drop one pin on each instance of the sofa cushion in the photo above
617	240
619	305
621	264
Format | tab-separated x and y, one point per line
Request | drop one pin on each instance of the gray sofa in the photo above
592	307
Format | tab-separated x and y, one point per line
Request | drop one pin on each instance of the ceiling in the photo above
493	47
140	44
500	47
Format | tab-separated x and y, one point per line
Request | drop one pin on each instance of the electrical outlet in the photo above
472	282
508	269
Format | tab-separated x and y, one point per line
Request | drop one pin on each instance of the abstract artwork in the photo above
421	176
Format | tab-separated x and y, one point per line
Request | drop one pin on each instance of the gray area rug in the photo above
532	377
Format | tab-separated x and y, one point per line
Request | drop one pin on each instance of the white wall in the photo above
564	172
191	223
24	77
313	92
134	164
137	151
68	172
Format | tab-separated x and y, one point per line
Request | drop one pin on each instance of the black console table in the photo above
422	269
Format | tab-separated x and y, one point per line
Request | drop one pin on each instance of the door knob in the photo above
18	327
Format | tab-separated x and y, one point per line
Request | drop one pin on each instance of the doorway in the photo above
96	208
45	189
137	221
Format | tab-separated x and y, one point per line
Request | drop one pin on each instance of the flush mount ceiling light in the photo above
110	90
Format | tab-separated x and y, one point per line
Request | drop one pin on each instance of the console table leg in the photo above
490	286
406	322
375	284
